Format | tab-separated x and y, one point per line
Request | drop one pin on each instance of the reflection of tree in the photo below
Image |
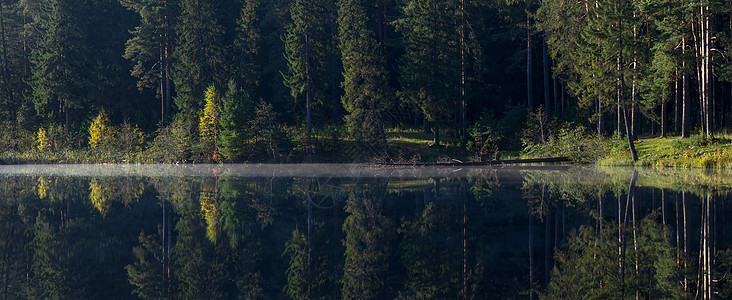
298	279
202	269
588	265
100	194
103	191
430	253
50	274
210	208
147	274
367	242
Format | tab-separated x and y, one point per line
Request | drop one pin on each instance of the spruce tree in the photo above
430	67
58	76
365	80
305	50
199	55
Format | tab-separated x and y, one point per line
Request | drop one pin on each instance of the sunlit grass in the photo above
693	152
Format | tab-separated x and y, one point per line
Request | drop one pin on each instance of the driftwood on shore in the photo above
457	163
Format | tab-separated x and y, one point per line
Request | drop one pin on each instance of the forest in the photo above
358	80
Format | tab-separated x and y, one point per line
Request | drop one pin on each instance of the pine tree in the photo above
150	47
365	85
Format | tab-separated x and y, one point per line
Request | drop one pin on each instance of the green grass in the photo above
693	152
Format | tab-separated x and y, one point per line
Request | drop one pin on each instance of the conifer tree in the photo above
150	47
236	110
57	60
199	55
305	43
430	68
365	80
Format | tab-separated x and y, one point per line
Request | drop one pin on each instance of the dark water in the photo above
344	231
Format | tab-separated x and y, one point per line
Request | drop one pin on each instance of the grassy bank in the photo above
693	152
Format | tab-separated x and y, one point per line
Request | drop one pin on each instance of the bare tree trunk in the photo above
686	111
677	123
529	62
547	88
463	66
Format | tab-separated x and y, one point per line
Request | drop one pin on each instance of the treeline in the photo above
448	66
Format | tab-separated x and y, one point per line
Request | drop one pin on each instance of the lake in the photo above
352	231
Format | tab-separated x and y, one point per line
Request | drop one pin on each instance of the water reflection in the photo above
278	232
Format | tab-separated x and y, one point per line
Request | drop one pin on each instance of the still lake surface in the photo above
350	231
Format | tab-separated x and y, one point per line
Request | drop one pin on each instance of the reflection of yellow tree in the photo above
211	210
42	187
100	194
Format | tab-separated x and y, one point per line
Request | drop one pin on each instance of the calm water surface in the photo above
348	231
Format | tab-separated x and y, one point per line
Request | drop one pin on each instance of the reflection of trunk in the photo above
6	259
704	286
686	244
465	243
547	235
310	245
531	256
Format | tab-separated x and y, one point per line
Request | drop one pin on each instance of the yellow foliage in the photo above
42	188
209	121
211	211
42	140
100	132
100	194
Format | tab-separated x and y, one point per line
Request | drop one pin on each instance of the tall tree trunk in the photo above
6	70
307	89
677	120
529	62
463	65
436	136
547	88
167	63
686	106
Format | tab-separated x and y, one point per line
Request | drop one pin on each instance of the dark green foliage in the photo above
588	266
199	55
298	286
49	271
58	64
366	94
367	245
147	273
235	111
428	72
429	249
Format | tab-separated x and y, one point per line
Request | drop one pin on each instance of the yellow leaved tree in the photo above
101	133
209	122
42	141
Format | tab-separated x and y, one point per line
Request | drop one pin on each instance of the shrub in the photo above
485	141
173	143
129	138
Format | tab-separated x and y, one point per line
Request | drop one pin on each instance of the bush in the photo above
172	144
569	141
129	138
484	141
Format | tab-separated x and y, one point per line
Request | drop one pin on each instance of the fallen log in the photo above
481	163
